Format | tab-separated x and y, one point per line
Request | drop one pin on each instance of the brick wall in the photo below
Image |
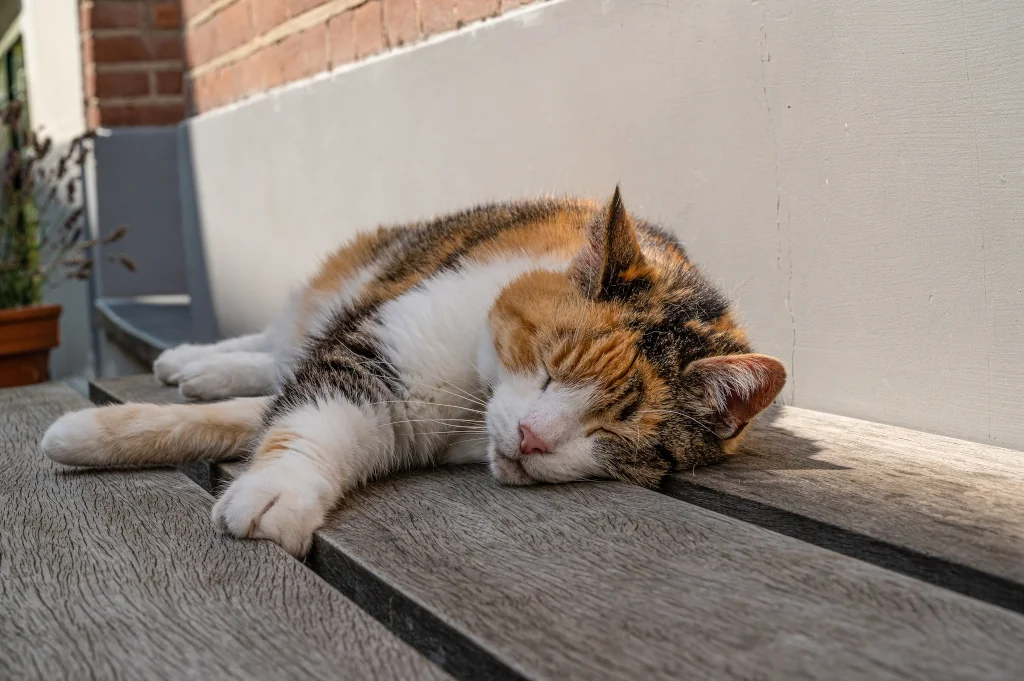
133	61
237	48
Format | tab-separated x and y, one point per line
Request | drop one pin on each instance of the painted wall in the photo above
53	61
852	171
53	66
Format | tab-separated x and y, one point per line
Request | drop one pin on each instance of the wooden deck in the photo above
832	548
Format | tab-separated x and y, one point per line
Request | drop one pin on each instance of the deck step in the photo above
947	511
121	575
609	581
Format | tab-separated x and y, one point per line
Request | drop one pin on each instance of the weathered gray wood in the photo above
603	581
120	575
608	581
139	388
956	500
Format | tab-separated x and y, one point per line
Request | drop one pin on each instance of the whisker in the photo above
433	404
464	393
685	416
464	396
454	428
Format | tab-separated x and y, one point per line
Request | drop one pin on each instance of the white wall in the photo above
53	65
852	171
53	61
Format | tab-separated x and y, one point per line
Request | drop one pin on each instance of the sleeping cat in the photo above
556	340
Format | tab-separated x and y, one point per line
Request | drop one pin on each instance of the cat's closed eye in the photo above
601	431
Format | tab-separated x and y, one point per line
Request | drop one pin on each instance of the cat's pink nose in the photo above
531	444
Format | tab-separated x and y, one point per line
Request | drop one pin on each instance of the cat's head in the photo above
628	366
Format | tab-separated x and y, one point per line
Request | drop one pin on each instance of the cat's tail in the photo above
150	434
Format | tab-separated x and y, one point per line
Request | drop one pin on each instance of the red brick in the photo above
141	114
201	44
249	76
368	28
133	48
92	115
201	91
165	46
297	7
121	48
474	10
266	14
341	39
227	88
165	15
296	57
208	90
233	26
88	53
118	84
168	82
190	8
110	15
438	16
401	21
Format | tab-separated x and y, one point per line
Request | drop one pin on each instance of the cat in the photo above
556	340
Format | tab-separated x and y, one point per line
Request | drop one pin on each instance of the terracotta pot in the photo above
26	336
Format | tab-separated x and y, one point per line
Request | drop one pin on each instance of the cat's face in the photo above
628	367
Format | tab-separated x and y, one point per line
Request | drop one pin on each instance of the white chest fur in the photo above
431	335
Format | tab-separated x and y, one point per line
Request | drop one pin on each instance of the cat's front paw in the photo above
283	502
169	364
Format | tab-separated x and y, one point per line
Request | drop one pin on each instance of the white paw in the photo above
214	377
284	502
74	439
170	362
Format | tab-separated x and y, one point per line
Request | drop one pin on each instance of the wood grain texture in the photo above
953	499
120	575
139	388
604	581
609	581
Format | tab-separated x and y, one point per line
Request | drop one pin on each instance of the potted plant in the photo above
43	243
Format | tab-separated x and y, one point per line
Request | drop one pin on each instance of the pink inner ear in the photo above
740	387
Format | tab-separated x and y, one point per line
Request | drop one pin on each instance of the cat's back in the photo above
380	266
383	264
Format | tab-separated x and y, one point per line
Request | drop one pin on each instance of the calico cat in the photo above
556	340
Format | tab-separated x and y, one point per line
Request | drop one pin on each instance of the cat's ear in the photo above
735	388
611	256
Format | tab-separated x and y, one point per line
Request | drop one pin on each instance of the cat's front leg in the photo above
311	456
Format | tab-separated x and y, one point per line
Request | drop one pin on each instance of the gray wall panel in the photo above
137	185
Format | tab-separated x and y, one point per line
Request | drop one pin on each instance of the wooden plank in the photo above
120	575
959	501
140	388
603	581
609	581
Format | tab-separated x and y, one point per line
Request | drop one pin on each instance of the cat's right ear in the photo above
610	259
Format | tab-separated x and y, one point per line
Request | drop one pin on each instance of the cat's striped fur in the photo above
557	339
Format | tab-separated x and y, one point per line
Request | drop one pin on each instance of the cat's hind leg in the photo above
229	374
169	365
